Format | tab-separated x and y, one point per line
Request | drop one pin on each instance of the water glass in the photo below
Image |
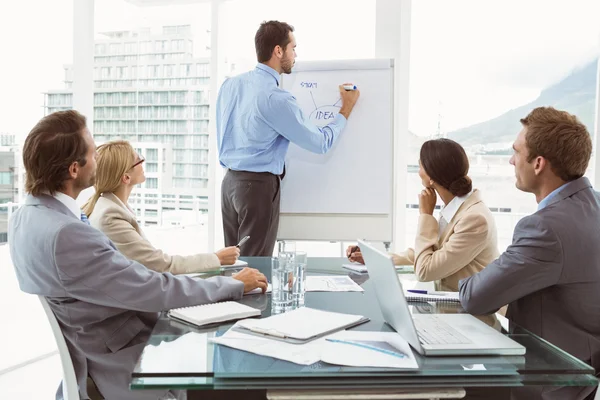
282	272
284	247
299	279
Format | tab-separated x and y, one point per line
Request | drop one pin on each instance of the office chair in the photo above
69	383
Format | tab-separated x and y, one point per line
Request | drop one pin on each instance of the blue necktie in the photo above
84	218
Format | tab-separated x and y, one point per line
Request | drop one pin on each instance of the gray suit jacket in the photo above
106	304
550	276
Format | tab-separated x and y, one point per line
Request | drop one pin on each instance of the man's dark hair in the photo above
269	35
51	147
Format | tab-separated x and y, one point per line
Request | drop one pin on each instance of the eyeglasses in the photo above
141	160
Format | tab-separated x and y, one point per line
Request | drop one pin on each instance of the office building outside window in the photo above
166	104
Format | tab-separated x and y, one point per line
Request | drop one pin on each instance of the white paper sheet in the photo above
356	267
356	356
259	290
324	350
237	264
190	343
334	283
362	269
303	354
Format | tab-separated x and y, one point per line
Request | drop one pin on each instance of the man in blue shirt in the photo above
256	121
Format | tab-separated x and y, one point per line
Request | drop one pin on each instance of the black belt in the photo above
281	176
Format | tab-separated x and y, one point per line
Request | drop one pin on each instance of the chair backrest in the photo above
69	385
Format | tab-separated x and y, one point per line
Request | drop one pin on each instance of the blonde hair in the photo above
113	161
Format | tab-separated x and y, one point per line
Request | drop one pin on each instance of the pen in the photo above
244	239
427	292
349	87
352	250
366	346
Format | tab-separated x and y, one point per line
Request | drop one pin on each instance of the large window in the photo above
319	34
472	79
6	178
158	53
476	68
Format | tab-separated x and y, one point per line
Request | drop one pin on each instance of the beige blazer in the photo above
118	222
469	243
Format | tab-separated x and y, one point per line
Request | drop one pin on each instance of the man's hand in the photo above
228	255
354	254
252	279
427	200
349	98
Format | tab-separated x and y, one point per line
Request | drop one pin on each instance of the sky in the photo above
471	60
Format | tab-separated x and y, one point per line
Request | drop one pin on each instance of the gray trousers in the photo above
250	207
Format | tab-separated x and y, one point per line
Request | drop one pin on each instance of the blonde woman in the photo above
119	170
464	240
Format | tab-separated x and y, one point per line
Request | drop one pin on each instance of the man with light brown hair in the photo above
550	274
106	305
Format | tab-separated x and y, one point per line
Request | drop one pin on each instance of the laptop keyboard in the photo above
435	331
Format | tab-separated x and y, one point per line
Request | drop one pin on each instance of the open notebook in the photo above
438	297
212	313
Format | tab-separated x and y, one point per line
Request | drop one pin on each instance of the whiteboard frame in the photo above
345	227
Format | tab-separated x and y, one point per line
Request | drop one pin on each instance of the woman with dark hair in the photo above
464	240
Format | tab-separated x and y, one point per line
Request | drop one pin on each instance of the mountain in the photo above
576	94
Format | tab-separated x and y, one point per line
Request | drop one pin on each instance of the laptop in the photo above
431	334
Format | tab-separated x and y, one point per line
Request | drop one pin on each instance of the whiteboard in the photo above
351	186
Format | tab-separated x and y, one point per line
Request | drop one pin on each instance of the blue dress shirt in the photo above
542	204
256	121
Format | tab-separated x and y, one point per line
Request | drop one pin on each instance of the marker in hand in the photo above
244	239
349	87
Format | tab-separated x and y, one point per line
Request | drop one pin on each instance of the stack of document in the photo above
362	269
236	264
239	264
300	325
350	348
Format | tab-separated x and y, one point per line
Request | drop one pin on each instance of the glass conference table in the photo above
179	356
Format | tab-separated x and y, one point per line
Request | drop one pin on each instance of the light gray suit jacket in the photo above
550	276
106	304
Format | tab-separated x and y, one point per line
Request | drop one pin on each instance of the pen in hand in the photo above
242	241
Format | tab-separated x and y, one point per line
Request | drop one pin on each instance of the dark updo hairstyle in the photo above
446	162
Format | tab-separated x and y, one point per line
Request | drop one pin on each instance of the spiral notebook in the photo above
438	297
212	313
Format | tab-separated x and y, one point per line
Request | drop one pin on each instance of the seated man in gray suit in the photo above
550	275
106	304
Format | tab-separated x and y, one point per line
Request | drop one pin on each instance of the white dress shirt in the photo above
69	202
449	211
